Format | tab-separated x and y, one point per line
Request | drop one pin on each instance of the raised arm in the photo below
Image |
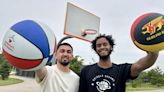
143	63
41	73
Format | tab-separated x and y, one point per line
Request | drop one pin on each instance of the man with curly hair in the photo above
106	76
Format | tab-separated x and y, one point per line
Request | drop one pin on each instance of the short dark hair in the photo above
108	37
61	44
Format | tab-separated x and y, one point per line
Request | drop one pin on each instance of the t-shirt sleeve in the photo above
83	82
127	71
131	77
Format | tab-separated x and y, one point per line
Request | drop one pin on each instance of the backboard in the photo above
80	23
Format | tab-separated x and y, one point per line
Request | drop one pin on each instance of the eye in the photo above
69	51
98	45
61	51
105	44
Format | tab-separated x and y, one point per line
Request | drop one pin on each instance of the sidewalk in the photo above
151	91
29	85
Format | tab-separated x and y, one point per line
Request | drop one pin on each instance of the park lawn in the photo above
10	81
143	87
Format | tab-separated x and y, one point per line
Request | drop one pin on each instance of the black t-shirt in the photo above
96	79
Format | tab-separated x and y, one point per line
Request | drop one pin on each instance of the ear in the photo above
55	54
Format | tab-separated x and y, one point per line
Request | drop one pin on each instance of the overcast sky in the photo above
116	16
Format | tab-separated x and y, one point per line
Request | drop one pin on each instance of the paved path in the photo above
29	85
151	91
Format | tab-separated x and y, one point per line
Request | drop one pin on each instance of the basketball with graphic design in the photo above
147	32
29	45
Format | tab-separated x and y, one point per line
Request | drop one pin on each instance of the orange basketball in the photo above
147	32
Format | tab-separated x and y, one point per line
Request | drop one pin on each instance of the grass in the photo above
10	81
143	87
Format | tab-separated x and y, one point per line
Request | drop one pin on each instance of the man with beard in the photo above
105	76
59	77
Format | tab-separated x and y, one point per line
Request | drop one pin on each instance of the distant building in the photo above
25	73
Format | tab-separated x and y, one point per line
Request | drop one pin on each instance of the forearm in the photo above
147	61
41	73
144	63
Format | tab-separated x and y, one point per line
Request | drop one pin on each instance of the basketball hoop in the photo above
88	32
80	23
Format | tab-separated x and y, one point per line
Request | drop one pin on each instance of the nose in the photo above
102	46
65	54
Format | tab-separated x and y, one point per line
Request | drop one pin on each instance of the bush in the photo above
76	64
5	68
136	83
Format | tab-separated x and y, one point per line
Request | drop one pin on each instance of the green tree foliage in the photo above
76	64
5	68
156	76
137	82
143	77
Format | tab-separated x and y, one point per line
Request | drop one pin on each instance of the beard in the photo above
64	62
105	57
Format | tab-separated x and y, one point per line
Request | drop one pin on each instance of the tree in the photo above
5	68
76	64
156	76
137	82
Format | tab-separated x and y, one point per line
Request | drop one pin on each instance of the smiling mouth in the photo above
103	51
64	59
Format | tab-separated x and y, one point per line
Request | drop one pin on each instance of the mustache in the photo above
64	62
65	57
106	56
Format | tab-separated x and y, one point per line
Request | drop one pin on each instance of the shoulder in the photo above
122	65
51	68
125	68
88	68
74	74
